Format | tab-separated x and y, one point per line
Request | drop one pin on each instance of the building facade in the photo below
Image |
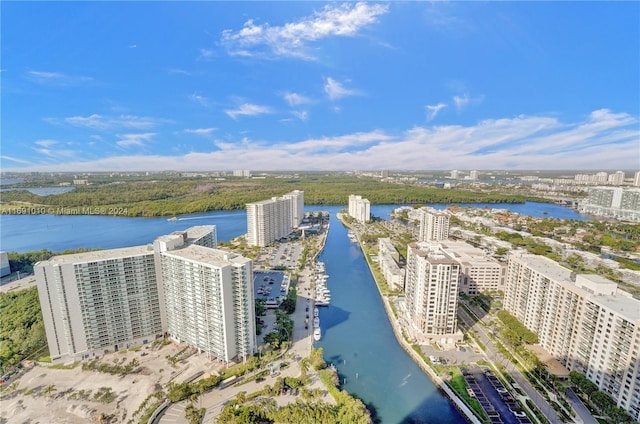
209	301
103	301
584	321
388	260
359	208
434	224
431	289
478	272
98	302
270	220
613	202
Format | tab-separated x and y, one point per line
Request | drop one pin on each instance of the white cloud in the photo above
292	39
461	101
521	142
200	131
207	54
433	110
301	115
100	122
336	90
57	78
248	109
16	160
295	99
130	140
199	99
46	143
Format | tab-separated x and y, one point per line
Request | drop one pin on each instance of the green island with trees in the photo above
165	196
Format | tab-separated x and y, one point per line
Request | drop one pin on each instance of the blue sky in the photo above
108	86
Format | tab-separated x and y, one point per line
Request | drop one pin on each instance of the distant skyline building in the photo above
104	301
434	224
584	321
455	174
617	178
242	173
431	292
272	219
359	208
473	175
636	179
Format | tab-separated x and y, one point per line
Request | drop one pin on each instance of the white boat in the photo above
316	312
316	322
316	334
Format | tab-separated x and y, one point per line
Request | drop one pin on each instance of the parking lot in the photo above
285	254
494	397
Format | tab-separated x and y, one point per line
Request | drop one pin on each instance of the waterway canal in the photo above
359	341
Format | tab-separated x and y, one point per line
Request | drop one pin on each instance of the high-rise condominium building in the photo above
636	179
296	200
473	175
434	224
359	208
584	321
102	301
269	220
96	302
209	301
431	286
617	178
478	271
614	202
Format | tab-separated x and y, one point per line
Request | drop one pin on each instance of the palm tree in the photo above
49	389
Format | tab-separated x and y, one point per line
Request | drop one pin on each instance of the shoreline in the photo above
440	384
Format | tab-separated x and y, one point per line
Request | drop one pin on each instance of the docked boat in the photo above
316	334
316	322
316	312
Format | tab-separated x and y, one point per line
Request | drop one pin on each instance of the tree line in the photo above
179	196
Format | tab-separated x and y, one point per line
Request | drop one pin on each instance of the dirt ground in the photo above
60	396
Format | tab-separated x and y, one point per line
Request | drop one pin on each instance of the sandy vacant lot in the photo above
46	395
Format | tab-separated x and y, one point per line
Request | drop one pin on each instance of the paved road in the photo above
495	356
583	413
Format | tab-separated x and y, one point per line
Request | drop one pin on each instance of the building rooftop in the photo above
626	306
597	287
545	266
207	256
192	233
100	255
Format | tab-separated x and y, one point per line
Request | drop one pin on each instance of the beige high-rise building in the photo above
478	272
434	224
272	219
98	302
431	288
584	321
209	301
359	208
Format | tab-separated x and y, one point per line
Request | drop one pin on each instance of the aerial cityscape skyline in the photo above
312	86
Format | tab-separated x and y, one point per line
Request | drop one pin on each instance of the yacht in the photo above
316	334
